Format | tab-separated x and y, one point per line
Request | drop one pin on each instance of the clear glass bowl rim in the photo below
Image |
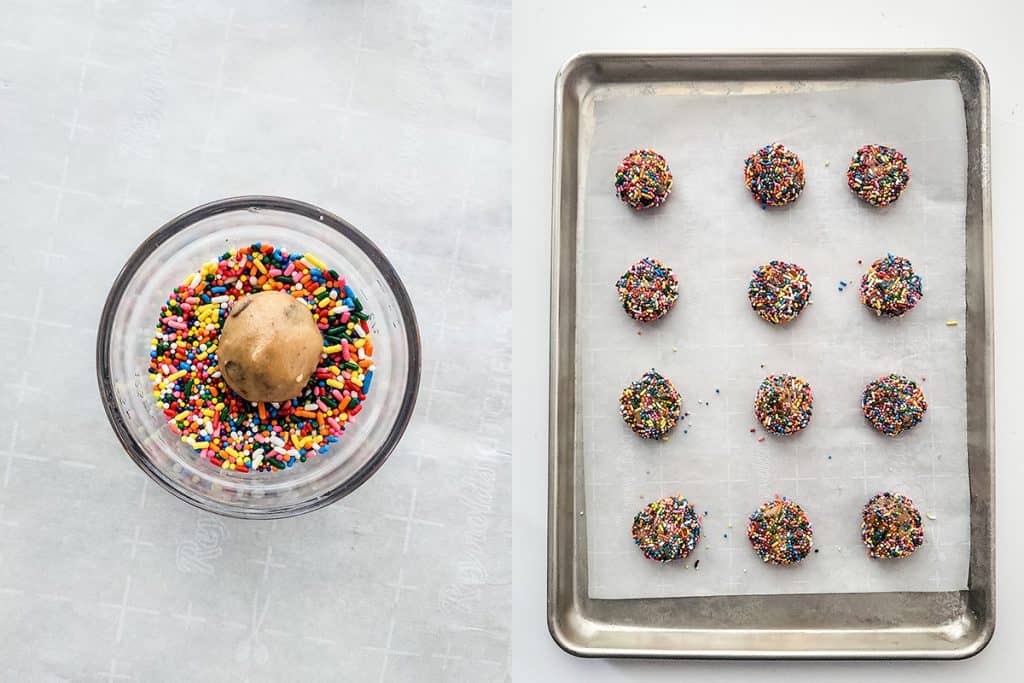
259	202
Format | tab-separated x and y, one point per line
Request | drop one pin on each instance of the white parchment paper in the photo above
716	350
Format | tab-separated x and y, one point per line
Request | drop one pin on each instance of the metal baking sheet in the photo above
952	624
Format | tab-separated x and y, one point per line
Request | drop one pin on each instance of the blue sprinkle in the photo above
366	382
348	292
218	289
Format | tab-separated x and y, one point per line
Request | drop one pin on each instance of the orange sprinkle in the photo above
305	413
262	411
344	404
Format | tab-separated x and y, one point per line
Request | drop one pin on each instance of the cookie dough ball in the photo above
648	290
893	404
890	287
779	291
878	174
780	532
891	527
774	175
783	404
650	406
643	179
269	347
667	529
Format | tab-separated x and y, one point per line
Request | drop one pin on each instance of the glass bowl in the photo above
128	324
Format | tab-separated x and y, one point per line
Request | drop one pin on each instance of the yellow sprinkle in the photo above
315	261
232	452
332	349
171	378
182	415
259	265
335	369
201	445
335	383
360	343
343	417
319	290
951	323
295	440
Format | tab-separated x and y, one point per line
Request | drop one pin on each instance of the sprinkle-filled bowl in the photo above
169	258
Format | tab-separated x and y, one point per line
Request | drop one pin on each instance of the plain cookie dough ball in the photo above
269	347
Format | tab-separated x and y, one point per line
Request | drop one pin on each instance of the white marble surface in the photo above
116	116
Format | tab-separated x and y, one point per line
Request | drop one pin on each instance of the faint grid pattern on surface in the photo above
119	116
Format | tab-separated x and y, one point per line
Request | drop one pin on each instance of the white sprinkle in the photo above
219	299
277	441
196	279
337	310
930	515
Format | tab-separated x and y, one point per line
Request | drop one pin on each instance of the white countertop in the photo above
554	32
117	116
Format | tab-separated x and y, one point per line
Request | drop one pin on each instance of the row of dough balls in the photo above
773	174
778	290
783	405
779	530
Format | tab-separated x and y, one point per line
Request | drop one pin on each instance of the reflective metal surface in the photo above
941	625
